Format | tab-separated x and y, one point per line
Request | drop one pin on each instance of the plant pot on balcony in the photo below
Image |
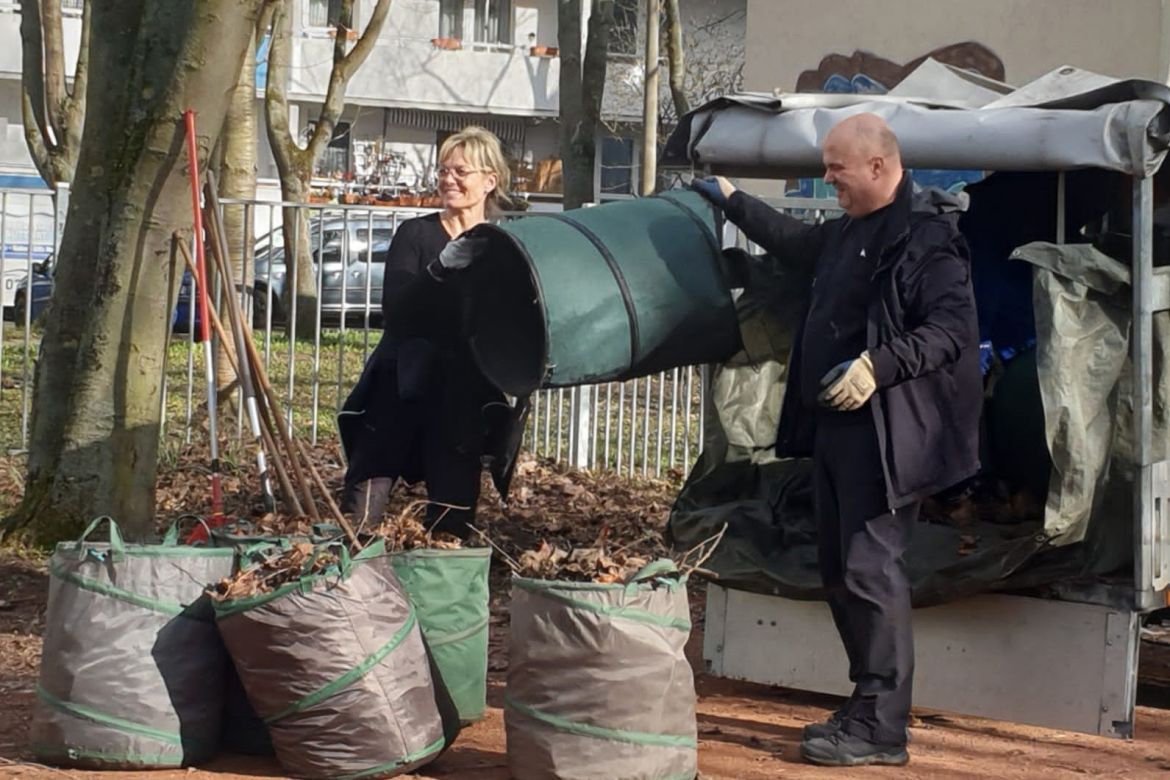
447	44
543	51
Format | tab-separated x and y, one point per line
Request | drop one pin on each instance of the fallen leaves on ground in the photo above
584	564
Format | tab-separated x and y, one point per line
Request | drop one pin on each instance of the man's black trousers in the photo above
861	544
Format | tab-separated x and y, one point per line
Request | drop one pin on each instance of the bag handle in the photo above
117	545
656	569
171	537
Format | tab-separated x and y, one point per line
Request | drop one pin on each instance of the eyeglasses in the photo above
459	173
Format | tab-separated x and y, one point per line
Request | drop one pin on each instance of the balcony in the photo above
413	72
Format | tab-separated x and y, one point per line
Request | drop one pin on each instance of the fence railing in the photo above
651	426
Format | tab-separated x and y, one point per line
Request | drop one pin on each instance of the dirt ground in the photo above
747	732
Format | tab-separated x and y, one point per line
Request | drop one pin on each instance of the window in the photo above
493	21
327	13
73	5
451	19
617	166
623	36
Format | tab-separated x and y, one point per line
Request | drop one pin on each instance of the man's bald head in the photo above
863	161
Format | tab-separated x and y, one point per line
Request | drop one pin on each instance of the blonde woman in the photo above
418	411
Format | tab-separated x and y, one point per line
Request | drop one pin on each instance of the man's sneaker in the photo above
843	749
826	727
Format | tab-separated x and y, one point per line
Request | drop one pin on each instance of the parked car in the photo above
348	255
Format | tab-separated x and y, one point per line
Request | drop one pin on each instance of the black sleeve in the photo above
941	305
785	238
407	289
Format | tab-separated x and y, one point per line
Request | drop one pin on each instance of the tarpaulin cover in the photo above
336	666
132	670
1121	126
598	684
599	294
449	589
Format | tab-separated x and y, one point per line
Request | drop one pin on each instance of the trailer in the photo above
1064	655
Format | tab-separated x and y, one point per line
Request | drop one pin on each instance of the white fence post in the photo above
582	431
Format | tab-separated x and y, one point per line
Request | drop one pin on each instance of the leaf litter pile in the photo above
279	568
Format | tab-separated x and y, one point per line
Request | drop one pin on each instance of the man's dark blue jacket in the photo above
922	337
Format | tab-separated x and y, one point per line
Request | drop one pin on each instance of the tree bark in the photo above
582	86
649	172
295	163
676	58
237	179
95	425
52	112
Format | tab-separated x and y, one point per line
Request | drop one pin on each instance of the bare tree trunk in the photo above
295	163
676	57
650	103
95	426
237	179
52	112
582	86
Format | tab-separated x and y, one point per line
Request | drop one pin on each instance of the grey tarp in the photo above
132	669
336	666
1082	314
1120	127
598	684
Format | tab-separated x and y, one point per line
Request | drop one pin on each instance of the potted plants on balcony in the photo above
447	44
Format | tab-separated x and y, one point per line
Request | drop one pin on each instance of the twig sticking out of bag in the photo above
701	553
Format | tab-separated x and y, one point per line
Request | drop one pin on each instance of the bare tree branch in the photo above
676	57
54	41
32	135
275	92
344	66
32	71
75	105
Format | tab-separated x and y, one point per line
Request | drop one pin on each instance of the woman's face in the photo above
462	185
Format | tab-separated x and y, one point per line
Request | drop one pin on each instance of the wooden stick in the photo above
329	502
277	461
261	378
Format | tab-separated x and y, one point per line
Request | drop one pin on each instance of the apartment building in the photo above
437	66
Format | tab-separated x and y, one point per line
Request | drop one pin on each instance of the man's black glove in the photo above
457	255
709	188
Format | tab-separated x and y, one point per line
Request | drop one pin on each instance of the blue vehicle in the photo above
42	290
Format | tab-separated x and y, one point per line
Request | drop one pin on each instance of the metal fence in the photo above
650	426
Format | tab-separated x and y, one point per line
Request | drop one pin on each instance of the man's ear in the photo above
877	165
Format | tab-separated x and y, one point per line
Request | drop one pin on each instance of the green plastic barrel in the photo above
599	294
449	589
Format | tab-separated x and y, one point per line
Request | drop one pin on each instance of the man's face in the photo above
854	174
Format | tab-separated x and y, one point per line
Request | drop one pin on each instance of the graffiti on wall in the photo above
865	73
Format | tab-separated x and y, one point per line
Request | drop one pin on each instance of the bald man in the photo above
883	392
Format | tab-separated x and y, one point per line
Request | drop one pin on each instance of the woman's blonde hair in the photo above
481	148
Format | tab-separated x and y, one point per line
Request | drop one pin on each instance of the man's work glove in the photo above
715	189
456	256
848	385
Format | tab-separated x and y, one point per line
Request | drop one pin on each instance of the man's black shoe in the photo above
826	727
844	749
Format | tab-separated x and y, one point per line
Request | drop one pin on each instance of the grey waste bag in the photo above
335	664
598	684
1082	309
132	670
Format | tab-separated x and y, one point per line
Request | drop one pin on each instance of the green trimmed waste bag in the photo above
600	294
598	684
132	671
335	664
449	589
